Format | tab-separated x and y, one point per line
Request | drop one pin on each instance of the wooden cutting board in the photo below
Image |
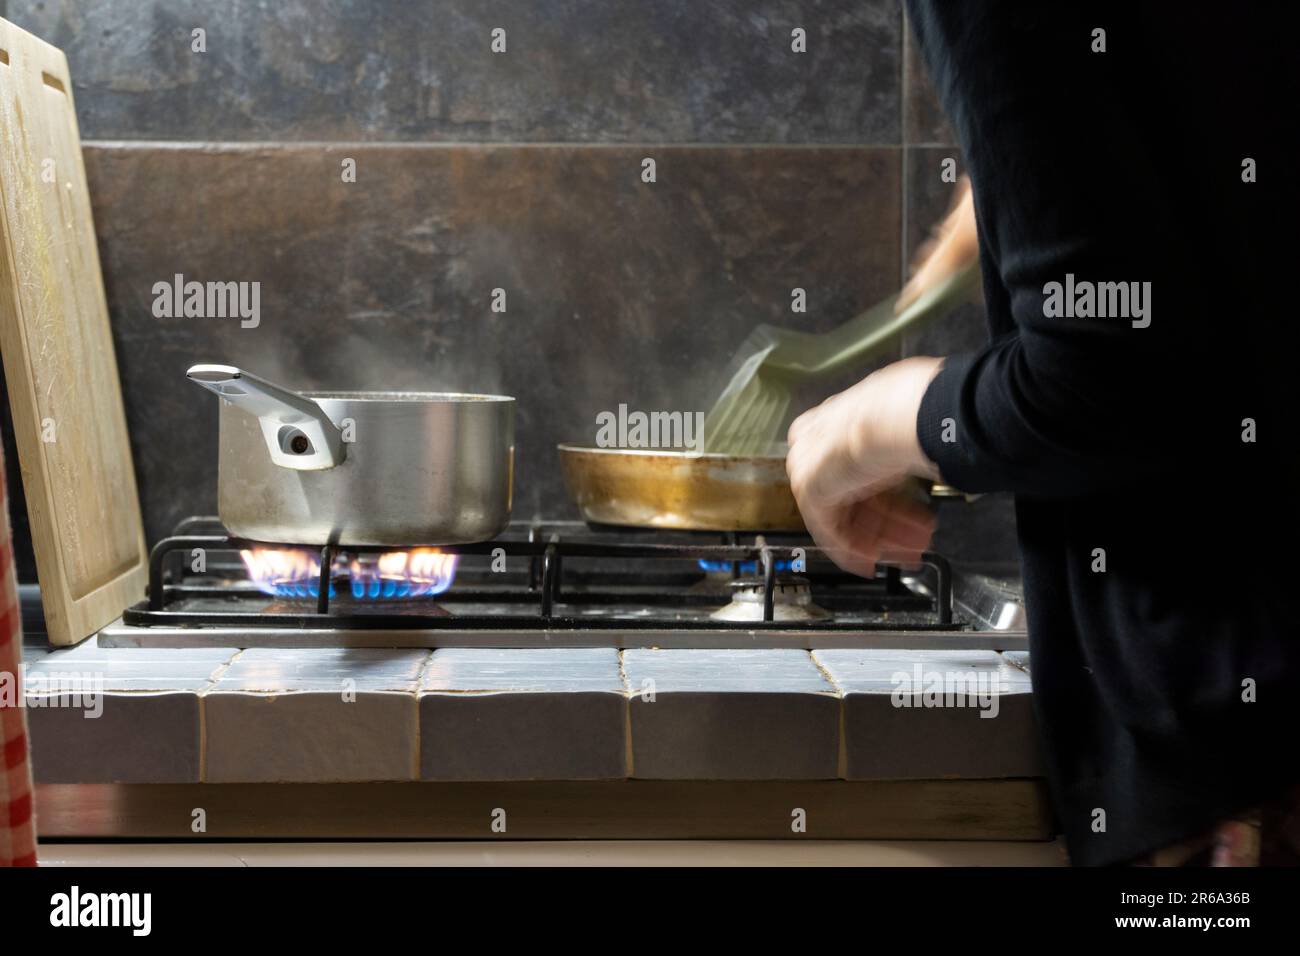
64	391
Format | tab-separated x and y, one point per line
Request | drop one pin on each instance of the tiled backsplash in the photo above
478	171
590	71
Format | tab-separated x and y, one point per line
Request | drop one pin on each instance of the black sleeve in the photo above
1123	166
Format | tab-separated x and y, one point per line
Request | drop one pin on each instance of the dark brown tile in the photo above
928	200
924	121
615	71
617	290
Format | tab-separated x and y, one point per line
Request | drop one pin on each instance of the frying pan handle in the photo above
940	490
298	433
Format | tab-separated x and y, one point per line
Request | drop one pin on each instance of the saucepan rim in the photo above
431	398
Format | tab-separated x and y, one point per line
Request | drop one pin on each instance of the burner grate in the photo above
630	574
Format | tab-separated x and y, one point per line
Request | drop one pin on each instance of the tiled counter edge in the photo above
100	715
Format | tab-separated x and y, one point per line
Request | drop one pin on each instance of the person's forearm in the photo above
1080	422
890	401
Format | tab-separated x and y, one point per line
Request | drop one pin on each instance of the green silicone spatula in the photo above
748	415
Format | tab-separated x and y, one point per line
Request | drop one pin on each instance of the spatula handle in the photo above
859	337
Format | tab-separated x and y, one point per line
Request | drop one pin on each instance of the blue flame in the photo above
295	573
746	567
295	590
386	588
424	572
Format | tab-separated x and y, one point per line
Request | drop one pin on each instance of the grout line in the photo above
424	669
415	749
905	190
202	696
220	670
180	145
1016	664
904	250
203	737
419	681
842	751
842	743
628	770
904	101
904	61
839	690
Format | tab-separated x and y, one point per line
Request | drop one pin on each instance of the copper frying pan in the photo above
676	489
652	488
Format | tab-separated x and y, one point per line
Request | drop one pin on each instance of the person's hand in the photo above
953	245
849	462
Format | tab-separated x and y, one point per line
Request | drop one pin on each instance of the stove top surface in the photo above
559	584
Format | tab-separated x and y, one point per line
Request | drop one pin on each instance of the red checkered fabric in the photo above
17	824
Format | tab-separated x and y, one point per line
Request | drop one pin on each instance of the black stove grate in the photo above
635	568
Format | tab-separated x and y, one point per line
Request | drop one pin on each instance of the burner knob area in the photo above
791	601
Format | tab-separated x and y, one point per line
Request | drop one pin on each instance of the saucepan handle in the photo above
298	433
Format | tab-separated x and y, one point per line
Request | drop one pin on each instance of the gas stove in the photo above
556	584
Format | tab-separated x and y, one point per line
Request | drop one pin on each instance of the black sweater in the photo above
1155	540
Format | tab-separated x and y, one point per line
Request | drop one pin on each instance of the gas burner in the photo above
791	601
374	575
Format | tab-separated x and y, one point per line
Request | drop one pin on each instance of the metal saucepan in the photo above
365	468
677	489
